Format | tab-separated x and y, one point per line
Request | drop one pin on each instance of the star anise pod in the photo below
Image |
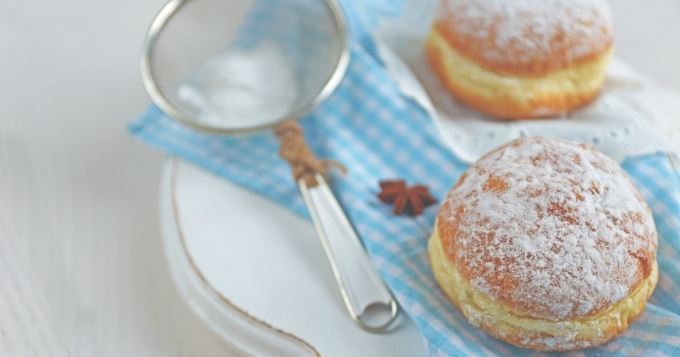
406	199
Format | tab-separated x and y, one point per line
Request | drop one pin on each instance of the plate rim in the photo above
170	175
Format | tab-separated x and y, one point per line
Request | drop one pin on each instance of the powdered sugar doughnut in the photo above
522	58
546	244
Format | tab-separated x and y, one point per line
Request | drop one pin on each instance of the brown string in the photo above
303	163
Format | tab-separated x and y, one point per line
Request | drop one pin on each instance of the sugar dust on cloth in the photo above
241	88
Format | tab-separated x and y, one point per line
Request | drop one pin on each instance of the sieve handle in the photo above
675	163
366	297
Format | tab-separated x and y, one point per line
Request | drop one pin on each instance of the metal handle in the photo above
675	164
366	298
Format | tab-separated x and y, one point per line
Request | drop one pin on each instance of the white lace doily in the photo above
632	116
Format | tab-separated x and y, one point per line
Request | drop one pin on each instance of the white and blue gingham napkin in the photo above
368	125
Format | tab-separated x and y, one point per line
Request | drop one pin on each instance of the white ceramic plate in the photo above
256	274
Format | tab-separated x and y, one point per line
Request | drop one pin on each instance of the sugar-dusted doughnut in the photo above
546	244
518	59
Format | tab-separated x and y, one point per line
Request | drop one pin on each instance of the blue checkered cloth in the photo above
368	125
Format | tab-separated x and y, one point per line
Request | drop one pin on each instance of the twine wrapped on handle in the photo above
294	149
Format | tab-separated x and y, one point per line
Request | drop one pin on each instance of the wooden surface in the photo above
81	266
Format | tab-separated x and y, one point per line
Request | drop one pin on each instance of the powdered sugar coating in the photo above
553	228
533	35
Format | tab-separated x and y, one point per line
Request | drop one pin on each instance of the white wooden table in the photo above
81	268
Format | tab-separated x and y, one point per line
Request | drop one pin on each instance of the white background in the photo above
81	267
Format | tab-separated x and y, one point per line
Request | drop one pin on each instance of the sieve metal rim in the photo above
172	7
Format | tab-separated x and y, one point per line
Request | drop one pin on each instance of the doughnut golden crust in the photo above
546	244
522	58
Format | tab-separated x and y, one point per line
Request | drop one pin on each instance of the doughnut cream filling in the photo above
481	310
586	77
